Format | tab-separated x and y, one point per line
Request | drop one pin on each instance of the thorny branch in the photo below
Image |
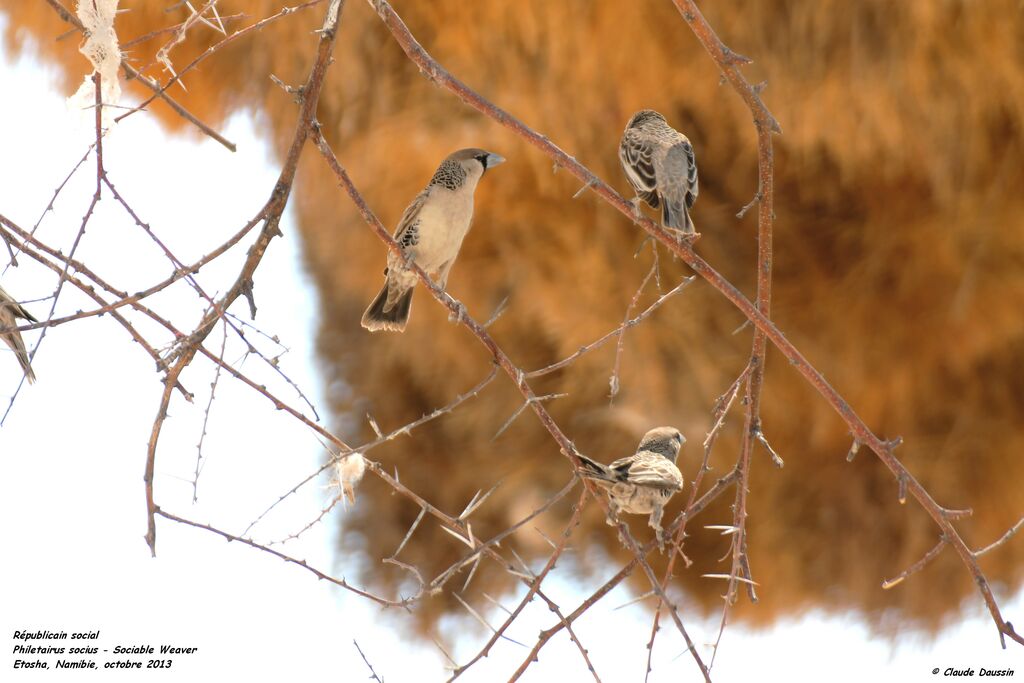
133	74
384	602
479	332
534	587
118	303
684	250
271	213
764	122
240	33
613	382
373	674
721	409
616	333
691	511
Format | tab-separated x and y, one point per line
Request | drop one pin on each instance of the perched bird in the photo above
10	311
660	165
431	232
644	482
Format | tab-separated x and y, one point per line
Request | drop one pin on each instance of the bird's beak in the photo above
493	160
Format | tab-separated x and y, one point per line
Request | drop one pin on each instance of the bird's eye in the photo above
482	158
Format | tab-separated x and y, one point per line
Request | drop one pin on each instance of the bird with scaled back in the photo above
10	311
642	483
660	165
430	233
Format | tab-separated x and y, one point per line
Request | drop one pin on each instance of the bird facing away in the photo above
661	167
641	483
10	311
430	233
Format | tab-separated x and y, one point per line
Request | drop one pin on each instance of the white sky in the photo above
72	454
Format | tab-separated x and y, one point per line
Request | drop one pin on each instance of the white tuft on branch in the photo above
349	470
101	48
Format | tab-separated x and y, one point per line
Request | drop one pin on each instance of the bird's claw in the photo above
459	314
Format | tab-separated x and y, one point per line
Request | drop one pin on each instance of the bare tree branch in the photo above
684	250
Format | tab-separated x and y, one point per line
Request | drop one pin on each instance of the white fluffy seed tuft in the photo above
349	470
102	50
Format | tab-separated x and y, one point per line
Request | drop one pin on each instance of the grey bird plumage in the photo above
644	482
10	311
660	165
430	232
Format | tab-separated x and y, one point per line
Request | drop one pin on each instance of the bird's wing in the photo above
651	470
636	153
593	469
20	310
620	468
407	233
691	176
677	170
17	309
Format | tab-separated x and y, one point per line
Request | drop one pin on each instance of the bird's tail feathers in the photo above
594	470
17	345
674	215
380	316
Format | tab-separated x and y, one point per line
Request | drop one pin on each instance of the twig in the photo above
373	674
656	586
206	421
132	73
721	409
534	586
521	408
494	541
240	33
917	566
405	429
632	322
272	215
684	251
776	460
765	124
691	511
613	381
1003	539
312	523
384	602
